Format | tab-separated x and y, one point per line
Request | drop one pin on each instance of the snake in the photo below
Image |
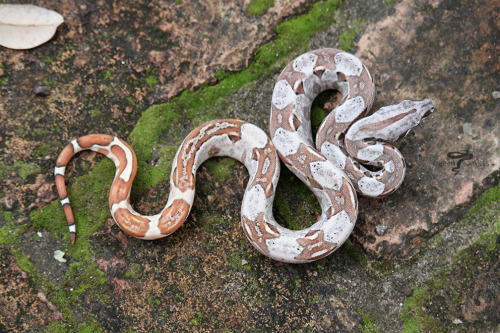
351	155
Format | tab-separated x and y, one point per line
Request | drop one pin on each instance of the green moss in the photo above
56	327
50	82
50	218
297	205
131	101
487	242
86	279
26	170
130	330
83	277
10	232
214	221
449	283
355	251
153	301
161	170
221	168
151	78
134	271
9	235
90	326
3	75
236	262
317	116
258	7
67	298
153	122
384	267
108	73
23	262
416	317
198	319
42	150
95	113
3	169
491	194
311	300
5	236
367	326
7	216
346	39
92	189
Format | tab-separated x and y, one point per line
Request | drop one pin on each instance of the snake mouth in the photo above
428	106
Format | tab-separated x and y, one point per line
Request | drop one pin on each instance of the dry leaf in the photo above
26	26
59	255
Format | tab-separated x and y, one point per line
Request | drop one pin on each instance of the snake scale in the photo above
350	155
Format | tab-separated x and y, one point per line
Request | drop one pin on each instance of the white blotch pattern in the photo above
286	142
348	64
305	63
334	154
389	166
253	201
371	153
76	146
253	134
338	228
59	170
371	187
283	95
325	173
350	110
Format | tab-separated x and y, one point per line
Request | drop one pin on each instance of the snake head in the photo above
392	122
407	115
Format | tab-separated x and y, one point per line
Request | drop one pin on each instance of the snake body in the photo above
333	171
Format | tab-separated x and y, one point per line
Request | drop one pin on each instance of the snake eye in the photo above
407	104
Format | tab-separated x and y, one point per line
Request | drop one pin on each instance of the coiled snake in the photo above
333	170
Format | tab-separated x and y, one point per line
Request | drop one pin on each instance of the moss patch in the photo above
367	326
346	39
439	305
25	170
355	251
434	307
134	271
295	205
416	317
198	319
84	278
258	7
491	194
221	168
212	222
151	78
10	231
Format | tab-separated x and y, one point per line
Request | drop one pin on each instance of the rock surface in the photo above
422	260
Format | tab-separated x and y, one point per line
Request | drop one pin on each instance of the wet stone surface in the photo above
424	259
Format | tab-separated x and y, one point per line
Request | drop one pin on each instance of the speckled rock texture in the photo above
424	259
